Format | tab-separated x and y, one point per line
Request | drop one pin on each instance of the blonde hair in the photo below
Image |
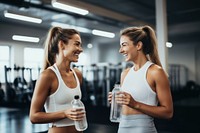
147	36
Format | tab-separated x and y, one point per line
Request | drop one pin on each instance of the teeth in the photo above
125	55
76	53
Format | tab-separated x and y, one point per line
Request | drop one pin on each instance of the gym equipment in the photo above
19	90
2	94
10	92
98	80
178	76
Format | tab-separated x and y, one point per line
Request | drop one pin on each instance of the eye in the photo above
78	44
123	44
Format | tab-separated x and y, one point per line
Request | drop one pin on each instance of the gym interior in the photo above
177	25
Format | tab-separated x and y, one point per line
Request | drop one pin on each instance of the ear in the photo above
139	45
61	45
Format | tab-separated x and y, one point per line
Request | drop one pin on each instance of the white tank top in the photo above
135	83
61	99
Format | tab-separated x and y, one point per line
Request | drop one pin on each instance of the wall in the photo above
17	51
110	53
184	55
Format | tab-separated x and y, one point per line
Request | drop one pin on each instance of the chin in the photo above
127	60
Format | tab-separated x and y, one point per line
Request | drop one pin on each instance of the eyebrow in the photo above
78	42
123	43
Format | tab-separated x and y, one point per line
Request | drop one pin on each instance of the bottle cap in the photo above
76	97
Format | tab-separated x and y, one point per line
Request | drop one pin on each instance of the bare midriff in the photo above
129	111
68	129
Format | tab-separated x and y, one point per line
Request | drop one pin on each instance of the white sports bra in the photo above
61	99
135	83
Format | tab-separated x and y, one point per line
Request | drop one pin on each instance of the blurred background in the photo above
25	23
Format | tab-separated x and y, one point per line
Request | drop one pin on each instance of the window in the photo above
33	58
4	60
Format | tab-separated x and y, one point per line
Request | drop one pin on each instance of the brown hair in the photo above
55	35
147	36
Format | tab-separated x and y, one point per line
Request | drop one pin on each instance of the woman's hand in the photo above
110	97
126	99
75	114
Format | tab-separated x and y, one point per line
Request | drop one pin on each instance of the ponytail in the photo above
51	48
152	41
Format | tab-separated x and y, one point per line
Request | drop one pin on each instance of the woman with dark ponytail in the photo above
58	83
145	87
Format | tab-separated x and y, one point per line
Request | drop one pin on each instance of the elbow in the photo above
169	115
33	119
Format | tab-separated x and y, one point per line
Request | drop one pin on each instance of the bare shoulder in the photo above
45	80
157	71
78	72
48	74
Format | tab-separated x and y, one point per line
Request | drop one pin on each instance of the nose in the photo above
80	49
120	50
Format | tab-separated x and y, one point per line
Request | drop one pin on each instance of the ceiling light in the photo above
103	33
169	44
80	29
89	45
69	8
25	38
22	17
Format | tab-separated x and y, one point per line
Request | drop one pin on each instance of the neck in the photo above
139	63
63	67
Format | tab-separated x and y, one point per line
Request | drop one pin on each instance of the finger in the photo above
79	116
77	109
120	95
110	94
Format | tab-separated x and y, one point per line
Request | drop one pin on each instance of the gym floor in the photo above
15	119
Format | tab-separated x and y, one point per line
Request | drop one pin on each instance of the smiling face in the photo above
72	50
128	49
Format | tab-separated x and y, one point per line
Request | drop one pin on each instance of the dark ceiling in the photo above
183	16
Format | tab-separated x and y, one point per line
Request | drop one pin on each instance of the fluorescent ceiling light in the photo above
69	8
80	29
25	38
22	17
103	33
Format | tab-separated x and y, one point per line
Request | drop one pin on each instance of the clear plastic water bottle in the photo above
82	124
115	111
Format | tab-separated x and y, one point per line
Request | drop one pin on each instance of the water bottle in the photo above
82	124
115	111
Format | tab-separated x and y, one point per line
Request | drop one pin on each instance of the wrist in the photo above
136	105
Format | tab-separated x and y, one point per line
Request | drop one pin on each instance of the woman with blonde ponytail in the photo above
58	83
145	87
